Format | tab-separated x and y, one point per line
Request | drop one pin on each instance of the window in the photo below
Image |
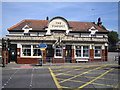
26	34
78	51
36	50
30	51
85	51
97	51
58	51
93	35
82	51
26	50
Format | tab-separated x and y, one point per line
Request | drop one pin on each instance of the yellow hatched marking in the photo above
72	80
102	84
54	78
70	71
95	79
82	73
66	87
68	74
100	78
85	82
58	67
101	73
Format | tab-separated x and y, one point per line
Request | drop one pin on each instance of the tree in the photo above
112	39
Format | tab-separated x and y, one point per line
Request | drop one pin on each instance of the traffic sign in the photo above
42	46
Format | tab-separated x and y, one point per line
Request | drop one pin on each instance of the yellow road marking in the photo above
85	82
82	73
73	70
100	78
69	71
58	67
67	74
54	78
95	79
102	84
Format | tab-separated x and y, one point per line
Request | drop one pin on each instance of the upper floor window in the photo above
93	35
26	34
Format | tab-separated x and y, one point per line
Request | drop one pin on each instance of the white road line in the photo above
10	78
31	78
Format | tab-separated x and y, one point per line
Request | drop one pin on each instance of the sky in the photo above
14	12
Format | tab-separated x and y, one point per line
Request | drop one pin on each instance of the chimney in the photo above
93	22
99	23
47	18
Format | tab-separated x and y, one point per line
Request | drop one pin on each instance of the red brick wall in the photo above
44	56
73	57
95	60
64	53
58	60
27	60
104	55
91	53
21	60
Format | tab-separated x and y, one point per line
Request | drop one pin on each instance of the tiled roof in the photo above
41	24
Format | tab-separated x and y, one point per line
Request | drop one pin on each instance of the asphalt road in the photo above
27	78
91	76
83	76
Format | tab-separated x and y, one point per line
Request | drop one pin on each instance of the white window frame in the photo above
100	52
81	51
21	53
55	53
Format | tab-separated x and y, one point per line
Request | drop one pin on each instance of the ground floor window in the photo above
97	51
58	51
26	50
85	51
36	51
78	51
31	50
82	51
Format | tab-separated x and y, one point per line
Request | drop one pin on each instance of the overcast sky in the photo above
14	12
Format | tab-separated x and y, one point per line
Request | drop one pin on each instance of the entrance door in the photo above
68	57
13	53
49	53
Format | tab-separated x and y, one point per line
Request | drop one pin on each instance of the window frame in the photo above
61	53
21	53
81	51
100	52
37	51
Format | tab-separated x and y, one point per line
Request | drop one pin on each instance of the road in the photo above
27	78
84	76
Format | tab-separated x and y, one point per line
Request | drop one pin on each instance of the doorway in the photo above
68	57
49	53
13	53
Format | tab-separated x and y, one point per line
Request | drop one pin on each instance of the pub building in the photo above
67	41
